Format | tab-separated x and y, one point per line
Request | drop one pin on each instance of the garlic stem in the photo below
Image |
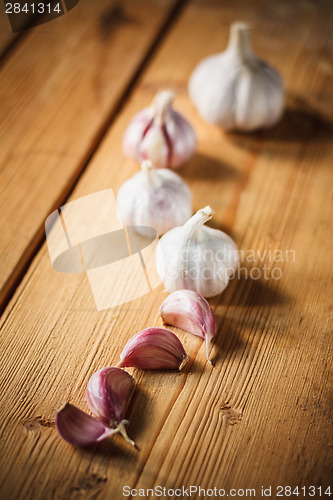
148	168
147	165
239	41
161	104
198	219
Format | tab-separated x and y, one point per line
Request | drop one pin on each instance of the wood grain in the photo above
59	91
263	415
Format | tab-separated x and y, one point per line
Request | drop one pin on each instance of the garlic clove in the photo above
196	257
160	134
155	147
156	198
108	394
189	311
136	131
181	136
235	89
78	428
154	349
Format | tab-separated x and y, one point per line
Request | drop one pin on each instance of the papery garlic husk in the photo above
196	257
78	428
108	394
235	89
154	349
190	311
160	134
156	198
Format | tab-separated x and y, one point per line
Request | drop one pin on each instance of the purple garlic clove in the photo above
190	311
154	349
108	394
78	428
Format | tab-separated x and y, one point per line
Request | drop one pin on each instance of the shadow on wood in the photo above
113	18
227	336
207	168
299	124
256	292
111	447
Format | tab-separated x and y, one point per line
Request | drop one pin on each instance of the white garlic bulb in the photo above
160	134
157	198
235	89
196	257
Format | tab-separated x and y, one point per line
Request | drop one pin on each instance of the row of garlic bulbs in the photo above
235	90
189	255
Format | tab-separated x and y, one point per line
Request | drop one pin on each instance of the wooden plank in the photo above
55	108
262	415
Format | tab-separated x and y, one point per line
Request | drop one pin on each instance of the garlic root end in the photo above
208	349
183	363
121	428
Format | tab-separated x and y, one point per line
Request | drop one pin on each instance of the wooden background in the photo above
263	415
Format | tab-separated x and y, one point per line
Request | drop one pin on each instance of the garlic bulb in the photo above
235	89
196	257
157	198
160	134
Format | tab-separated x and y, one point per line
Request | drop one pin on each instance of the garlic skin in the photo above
196	257
235	89
78	428
156	198
160	134
154	349
108	393
189	311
